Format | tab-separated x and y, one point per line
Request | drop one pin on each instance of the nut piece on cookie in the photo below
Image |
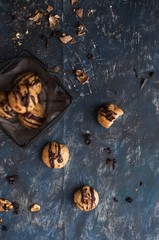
5	109
55	155
86	198
108	113
35	208
5	205
33	119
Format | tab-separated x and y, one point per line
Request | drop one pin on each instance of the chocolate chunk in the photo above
88	138
115	199
90	56
4	228
15	205
108	149
111	162
128	199
11	179
150	74
140	183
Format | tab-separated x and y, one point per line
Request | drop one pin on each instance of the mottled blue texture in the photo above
122	35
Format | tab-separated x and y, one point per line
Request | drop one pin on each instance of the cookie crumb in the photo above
108	149
35	208
37	16
54	21
79	12
65	39
5	205
81	76
73	41
80	29
1	220
89	12
72	2
56	69
49	8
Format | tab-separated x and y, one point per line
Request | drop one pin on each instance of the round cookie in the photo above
31	80
108	113
55	155
22	99
86	198
5	109
33	119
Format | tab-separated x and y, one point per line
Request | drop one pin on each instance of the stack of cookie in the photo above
23	99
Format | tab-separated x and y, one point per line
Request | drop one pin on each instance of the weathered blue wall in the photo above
121	35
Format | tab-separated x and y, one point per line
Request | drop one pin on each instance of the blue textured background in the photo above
121	35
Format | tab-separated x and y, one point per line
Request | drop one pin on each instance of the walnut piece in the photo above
5	205
53	21
80	29
73	2
65	39
56	69
49	8
35	208
79	12
36	17
82	77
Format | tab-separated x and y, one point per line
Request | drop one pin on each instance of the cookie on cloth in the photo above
5	109
55	155
108	113
86	198
33	119
22	99
31	80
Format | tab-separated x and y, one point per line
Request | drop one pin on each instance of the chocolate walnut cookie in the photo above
108	113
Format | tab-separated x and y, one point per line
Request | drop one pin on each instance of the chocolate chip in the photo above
4	228
140	183
88	138
108	149
136	75
15	212
55	33
111	162
115	199
128	199
15	205
90	56
150	74
11	179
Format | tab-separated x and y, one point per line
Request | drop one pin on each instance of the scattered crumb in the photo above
54	21
35	208
128	199
87	138
27	32
89	12
65	39
79	12
72	2
56	69
1	220
80	29
36	17
19	35
140	183
49	8
82	77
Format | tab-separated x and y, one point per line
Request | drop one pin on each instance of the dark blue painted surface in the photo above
122	35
